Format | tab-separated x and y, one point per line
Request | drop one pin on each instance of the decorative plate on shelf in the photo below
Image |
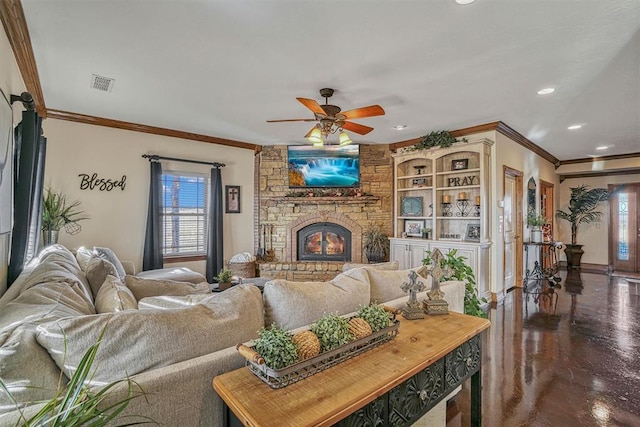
411	206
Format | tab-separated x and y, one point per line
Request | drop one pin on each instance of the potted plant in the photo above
581	210
58	213
535	222
224	279
426	233
376	245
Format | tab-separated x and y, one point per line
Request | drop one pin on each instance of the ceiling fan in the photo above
331	119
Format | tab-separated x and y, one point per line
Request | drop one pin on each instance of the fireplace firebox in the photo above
324	241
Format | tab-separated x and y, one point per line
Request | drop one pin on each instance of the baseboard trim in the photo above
588	268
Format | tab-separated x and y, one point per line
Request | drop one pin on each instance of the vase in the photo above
375	256
574	255
536	235
49	237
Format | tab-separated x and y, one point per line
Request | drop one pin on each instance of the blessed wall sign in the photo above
92	182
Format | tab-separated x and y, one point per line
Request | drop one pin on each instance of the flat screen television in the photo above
329	166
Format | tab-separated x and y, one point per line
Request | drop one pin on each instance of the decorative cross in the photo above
437	273
413	287
233	192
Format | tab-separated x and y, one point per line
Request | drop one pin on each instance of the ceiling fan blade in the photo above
291	120
358	113
355	127
312	105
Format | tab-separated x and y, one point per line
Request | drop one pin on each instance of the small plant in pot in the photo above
376	245
581	210
224	279
535	223
58	213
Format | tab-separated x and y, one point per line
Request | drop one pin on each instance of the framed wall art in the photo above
413	227
459	164
473	233
232	198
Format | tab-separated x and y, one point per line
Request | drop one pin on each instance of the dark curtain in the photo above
215	261
29	158
152	257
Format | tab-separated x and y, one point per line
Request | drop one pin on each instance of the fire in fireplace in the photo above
324	241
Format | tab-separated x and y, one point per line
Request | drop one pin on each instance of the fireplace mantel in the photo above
324	200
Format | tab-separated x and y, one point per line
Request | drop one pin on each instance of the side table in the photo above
545	265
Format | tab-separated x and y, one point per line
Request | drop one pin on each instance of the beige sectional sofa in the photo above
170	337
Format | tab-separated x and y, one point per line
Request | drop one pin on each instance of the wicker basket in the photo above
243	269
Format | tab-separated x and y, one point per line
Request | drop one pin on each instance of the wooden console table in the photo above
394	384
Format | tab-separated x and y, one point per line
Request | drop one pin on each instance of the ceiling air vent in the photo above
104	84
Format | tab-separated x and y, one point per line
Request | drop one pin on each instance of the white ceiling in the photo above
222	68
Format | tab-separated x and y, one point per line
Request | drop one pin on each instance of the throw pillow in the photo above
385	284
294	304
110	255
97	271
143	340
142	288
83	256
177	274
114	296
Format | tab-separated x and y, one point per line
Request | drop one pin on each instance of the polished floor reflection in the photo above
566	357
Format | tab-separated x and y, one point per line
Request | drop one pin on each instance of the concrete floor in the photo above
568	357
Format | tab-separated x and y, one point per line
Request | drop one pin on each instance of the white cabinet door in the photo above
408	252
417	252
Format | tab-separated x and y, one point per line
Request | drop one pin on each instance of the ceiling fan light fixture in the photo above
315	137
344	139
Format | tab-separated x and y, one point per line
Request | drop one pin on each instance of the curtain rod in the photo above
152	157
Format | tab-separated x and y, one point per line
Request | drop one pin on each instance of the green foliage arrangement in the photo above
225	275
442	139
332	331
376	244
535	220
276	347
56	211
375	315
76	405
582	207
462	272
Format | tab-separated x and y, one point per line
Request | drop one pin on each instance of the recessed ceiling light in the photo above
574	127
463	2
399	127
546	91
602	147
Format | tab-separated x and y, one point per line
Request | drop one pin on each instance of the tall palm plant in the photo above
582	207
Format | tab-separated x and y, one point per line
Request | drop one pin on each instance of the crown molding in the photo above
564	177
488	127
118	124
15	26
599	159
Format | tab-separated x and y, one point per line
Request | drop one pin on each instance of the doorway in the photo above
624	249
546	204
512	228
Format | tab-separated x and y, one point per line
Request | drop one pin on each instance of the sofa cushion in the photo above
114	296
97	271
45	302
26	368
294	304
385	284
110	255
177	274
141	340
143	288
392	265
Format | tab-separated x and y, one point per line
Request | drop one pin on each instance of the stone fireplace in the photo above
287	215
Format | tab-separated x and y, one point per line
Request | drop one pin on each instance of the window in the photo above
184	213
